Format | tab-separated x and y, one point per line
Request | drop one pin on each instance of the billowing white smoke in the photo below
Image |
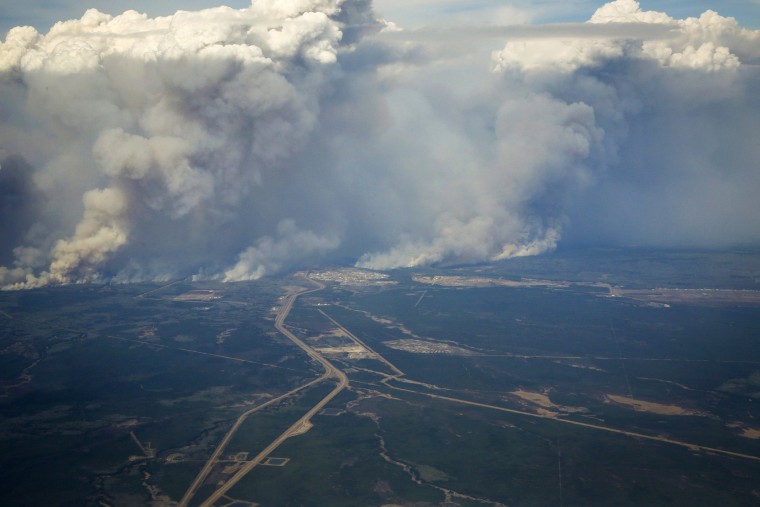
480	210
576	114
237	143
270	255
679	114
174	115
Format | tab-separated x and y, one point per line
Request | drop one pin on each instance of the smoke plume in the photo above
235	143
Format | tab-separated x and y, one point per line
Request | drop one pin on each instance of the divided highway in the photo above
295	429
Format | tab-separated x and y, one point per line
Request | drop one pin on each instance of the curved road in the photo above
332	372
295	429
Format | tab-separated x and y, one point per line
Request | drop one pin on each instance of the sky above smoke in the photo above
239	141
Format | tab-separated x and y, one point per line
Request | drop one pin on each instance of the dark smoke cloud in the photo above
20	203
235	143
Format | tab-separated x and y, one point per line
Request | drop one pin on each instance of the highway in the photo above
214	459
331	371
295	429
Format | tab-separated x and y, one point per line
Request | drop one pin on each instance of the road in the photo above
199	352
693	447
159	288
295	429
331	371
214	459
356	340
624	358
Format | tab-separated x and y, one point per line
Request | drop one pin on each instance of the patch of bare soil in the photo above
693	296
649	406
544	404
746	431
481	281
427	347
198	295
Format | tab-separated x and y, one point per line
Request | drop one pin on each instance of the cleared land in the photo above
652	407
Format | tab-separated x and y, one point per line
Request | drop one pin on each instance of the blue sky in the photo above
43	13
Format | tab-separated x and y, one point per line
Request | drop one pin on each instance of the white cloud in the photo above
693	43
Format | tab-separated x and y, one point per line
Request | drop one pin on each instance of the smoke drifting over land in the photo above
237	143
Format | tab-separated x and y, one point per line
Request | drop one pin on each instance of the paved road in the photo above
333	372
693	447
362	344
297	427
214	459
